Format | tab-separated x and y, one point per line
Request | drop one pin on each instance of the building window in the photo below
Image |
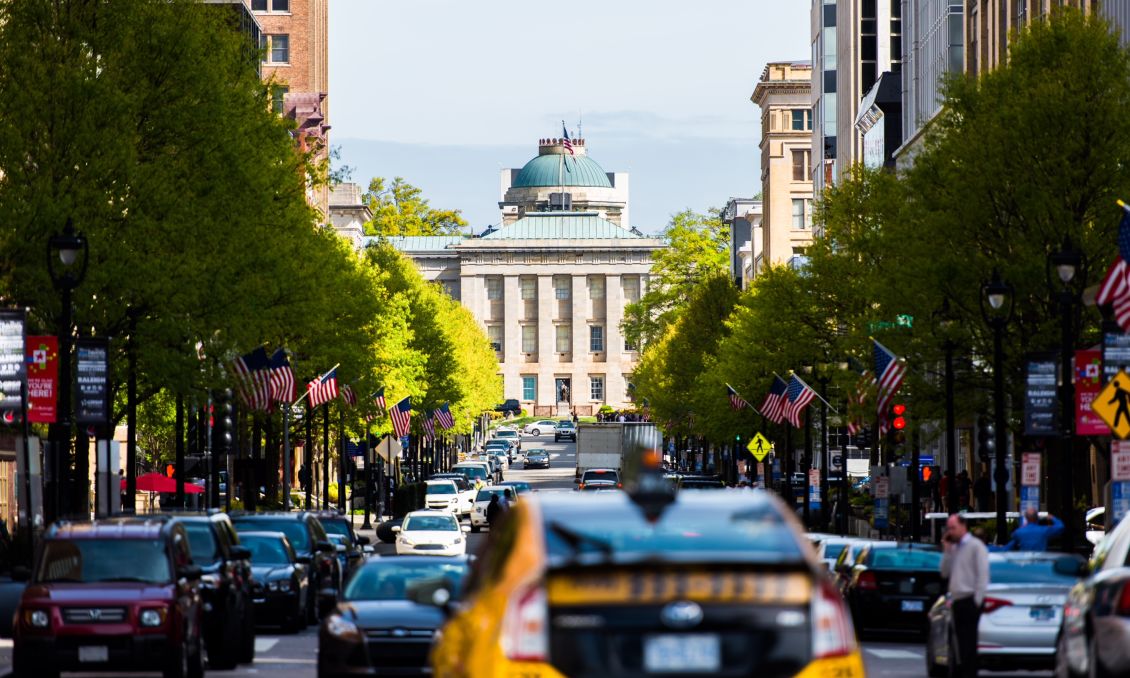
596	338
564	338
799	218
561	288
278	98
596	287
494	289
280	5
529	288
596	387
529	387
802	120
494	333
800	165
529	338
258	5
629	345
631	285
278	49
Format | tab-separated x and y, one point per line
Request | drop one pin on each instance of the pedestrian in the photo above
983	490
944	489
1034	534
963	491
494	510
965	564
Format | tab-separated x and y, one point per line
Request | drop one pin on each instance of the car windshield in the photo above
336	526
388	580
266	550
485	494
564	424
431	524
104	560
202	543
441	488
294	530
833	551
506	434
1036	571
518	486
473	472
900	559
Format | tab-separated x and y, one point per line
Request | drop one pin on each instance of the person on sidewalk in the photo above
1034	534
494	510
966	565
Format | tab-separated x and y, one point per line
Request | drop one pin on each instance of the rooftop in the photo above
560	169
417	243
561	226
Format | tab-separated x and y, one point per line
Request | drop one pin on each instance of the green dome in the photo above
546	170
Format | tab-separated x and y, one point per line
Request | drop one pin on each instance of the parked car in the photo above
509	407
225	585
1096	524
537	459
279	581
430	533
113	595
565	429
535	428
477	473
337	524
890	589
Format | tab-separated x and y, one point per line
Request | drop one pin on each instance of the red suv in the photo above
120	594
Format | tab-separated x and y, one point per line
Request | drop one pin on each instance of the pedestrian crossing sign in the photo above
1113	405
759	446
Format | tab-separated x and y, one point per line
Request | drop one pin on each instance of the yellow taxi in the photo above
645	582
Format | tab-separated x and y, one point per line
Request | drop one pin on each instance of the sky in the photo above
445	93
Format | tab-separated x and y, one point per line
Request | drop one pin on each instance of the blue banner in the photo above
814	491
880	514
1029	497
1120	499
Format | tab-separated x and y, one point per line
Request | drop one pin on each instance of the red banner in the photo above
42	379
1088	385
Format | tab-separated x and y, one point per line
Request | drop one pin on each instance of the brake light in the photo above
525	628
832	634
1124	600
994	604
867	581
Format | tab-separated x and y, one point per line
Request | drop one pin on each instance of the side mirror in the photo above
190	572
396	528
327	601
325	547
240	553
363	540
21	573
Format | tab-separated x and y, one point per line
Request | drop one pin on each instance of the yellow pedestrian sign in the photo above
759	447
1113	405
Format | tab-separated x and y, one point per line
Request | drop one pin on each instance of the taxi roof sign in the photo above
1113	405
759	446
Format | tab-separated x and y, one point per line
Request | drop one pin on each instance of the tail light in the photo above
832	634
994	604
867	581
1124	600
525	628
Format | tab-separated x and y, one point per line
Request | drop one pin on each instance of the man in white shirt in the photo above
966	565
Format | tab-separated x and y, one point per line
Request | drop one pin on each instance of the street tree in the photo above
399	208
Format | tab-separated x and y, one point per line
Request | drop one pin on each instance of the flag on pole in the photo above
773	408
429	426
379	398
797	397
857	403
565	140
348	396
283	387
1115	287
889	373
323	389
736	401
401	415
253	381
444	418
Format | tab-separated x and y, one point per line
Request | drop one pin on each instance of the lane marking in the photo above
264	644
895	654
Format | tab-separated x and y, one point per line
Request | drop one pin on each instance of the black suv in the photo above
225	584
313	547
510	406
336	524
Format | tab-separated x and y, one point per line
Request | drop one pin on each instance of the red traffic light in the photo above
899	423
898	410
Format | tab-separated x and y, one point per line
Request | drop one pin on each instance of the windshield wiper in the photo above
577	540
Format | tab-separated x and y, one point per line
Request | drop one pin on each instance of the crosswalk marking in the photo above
882	653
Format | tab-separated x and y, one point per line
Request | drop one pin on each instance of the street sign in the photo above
1030	469
1040	402
1113	404
838	462
761	475
813	489
1120	499
13	369
1088	384
1120	460
1029	498
882	487
759	446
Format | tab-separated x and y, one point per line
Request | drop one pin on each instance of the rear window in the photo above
473	472
441	488
1027	572
202	543
600	475
899	559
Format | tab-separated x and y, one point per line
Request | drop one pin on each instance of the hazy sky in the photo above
447	92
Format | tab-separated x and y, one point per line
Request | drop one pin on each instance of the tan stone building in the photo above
990	23
784	95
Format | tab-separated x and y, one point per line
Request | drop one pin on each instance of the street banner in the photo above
1120	460
1120	500
1041	404
1029	498
881	514
814	489
1030	469
92	381
13	364
42	379
882	487
1088	385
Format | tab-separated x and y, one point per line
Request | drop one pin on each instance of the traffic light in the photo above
222	428
927	474
897	418
986	439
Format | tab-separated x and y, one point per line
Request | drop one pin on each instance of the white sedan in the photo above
430	533
482	501
535	428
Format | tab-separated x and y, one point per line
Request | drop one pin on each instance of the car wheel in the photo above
178	663
247	647
1062	664
536	432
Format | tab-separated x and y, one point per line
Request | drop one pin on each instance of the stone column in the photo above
472	294
614	341
547	342
582	361
511	337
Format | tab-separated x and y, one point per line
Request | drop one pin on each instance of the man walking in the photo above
1033	535
966	565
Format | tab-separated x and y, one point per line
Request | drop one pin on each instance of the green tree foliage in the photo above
401	209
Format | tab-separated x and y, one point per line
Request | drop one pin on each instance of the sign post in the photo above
1030	481
882	497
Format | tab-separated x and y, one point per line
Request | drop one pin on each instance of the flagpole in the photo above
286	458
814	391
307	392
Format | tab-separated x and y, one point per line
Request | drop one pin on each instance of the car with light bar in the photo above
892	585
647	580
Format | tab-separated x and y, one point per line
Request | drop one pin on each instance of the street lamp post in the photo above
946	322
1066	263
996	310
825	497
66	246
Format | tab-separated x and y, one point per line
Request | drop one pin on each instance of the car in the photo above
535	428
891	588
442	495
565	429
477	473
647	581
430	533
225	585
113	595
502	457
701	483
841	569
279	581
379	627
336	524
598	486
1020	617
482	500
519	486
599	474
537	458
510	407
510	436
314	549
466	491
829	549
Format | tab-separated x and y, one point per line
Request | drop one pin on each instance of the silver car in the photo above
1020	618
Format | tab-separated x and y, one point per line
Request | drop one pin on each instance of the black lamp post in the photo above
996	309
822	378
945	323
66	247
806	463
1067	263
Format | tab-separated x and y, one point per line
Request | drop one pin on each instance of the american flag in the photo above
797	397
348	396
444	418
429	426
253	379
773	408
565	141
379	398
889	371
401	414
1115	287
283	388
323	389
736	401
857	403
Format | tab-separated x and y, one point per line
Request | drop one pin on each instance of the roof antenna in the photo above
580	130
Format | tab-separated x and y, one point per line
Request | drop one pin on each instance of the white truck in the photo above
603	445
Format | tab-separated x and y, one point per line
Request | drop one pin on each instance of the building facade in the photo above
784	94
933	49
742	217
989	24
348	212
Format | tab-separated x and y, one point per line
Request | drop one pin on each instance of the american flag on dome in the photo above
889	373
797	397
429	426
444	418
253	381
283	387
736	401
565	140
1115	287
401	415
773	407
323	389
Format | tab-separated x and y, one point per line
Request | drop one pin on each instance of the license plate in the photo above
1042	613
93	653
682	653
912	606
